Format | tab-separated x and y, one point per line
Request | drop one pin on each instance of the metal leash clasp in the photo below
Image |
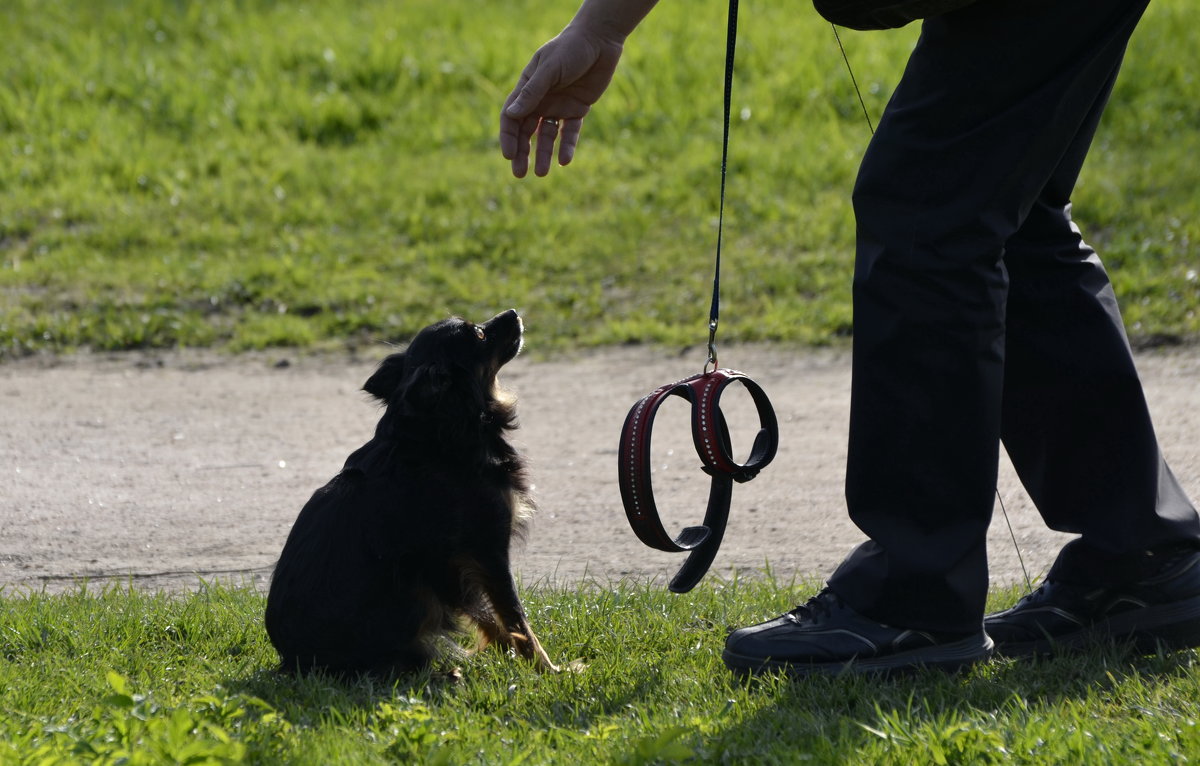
712	348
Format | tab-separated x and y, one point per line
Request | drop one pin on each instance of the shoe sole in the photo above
1171	626
951	657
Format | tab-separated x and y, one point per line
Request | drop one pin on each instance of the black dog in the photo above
414	533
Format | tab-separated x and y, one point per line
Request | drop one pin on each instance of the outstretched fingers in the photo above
515	135
537	136
568	138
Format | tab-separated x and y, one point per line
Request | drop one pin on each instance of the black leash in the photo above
710	434
715	309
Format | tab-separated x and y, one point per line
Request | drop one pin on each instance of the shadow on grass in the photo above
1000	707
492	686
298	697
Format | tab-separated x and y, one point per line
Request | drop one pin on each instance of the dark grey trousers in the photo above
980	315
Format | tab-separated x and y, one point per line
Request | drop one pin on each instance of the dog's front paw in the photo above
574	666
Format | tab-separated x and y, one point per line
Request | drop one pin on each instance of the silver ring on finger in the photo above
550	121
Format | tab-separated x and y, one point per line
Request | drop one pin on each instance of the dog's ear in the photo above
387	378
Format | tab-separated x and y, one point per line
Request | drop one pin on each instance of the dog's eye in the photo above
479	333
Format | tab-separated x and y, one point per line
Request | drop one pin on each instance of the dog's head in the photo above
448	372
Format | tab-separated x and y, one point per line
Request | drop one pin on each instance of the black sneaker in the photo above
825	636
1162	610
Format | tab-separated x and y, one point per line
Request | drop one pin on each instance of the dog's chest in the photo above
487	491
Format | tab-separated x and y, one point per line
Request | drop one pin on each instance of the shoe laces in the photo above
1042	591
1063	594
1035	595
1173	558
816	608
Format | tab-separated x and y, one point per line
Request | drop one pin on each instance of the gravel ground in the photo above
161	470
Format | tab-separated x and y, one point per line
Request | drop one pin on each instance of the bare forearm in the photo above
613	19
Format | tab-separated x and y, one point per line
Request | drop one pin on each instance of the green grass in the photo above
247	173
123	676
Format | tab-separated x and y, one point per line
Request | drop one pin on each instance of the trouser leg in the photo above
995	98
1075	421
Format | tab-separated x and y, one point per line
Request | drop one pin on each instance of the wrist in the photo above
611	20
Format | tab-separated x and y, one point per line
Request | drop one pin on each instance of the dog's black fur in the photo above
414	533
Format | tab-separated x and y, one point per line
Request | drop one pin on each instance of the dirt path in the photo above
163	469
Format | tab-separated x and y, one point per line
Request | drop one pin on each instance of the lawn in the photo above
243	174
117	676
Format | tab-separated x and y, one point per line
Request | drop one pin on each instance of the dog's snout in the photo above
508	331
506	323
505	317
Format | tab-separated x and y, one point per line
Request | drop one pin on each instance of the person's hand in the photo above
556	89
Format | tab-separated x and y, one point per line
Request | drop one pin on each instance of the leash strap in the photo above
715	308
710	436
